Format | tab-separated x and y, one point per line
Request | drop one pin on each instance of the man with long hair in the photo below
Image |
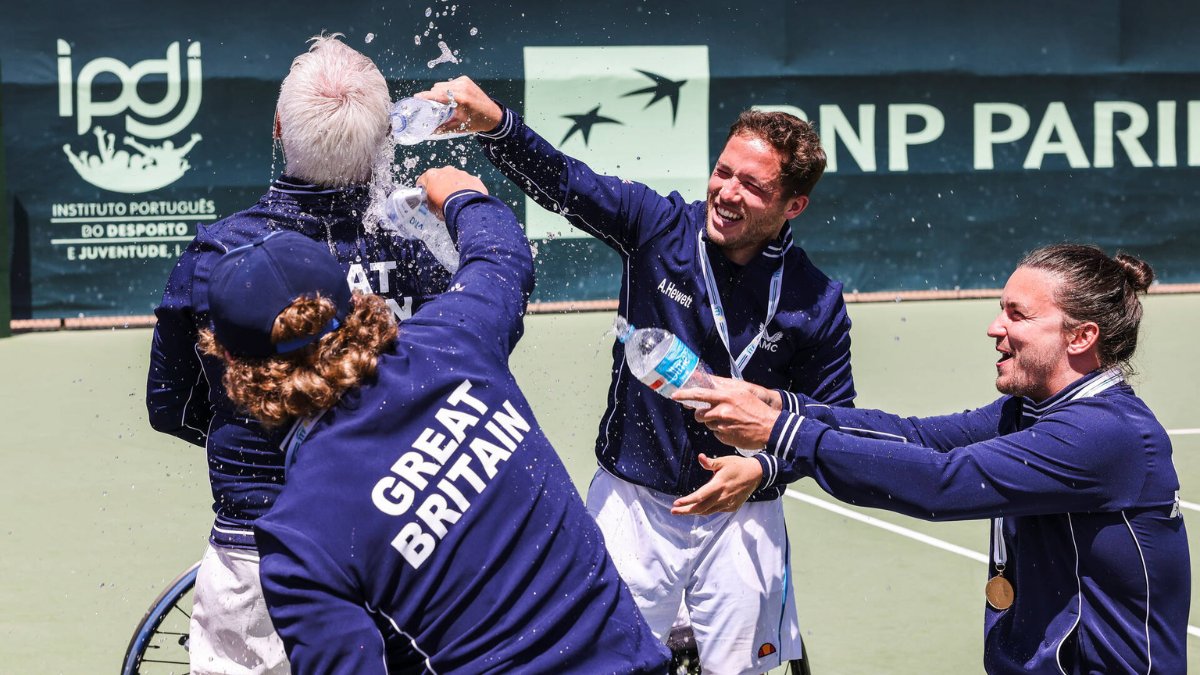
332	121
427	522
1089	558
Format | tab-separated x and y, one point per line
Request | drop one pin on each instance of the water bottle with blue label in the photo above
661	361
408	215
415	119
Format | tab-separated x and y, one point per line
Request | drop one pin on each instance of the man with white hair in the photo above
332	120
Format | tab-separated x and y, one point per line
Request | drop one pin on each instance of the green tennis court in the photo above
100	511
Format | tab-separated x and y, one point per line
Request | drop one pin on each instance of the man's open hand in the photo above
734	479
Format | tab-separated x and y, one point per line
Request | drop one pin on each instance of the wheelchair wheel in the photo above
160	642
685	657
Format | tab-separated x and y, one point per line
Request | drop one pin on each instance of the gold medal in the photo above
999	593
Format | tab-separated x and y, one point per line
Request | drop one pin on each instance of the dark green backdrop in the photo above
939	223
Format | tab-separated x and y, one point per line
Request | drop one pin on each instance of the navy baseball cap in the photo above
252	284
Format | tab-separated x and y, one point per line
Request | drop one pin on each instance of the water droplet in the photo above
446	56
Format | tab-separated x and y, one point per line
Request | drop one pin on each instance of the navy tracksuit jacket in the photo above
428	502
644	438
184	394
1096	548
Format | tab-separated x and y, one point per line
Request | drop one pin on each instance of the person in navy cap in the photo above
331	120
427	524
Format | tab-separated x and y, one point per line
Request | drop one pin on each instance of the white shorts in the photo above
731	571
231	632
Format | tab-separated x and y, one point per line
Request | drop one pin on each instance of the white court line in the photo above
884	525
913	534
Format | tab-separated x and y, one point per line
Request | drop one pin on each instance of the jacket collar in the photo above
308	193
780	244
769	257
1089	385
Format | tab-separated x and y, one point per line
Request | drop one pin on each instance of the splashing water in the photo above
383	181
276	155
446	57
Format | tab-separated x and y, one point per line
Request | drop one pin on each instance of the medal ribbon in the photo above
999	550
737	365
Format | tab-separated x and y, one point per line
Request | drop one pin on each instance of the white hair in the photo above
333	114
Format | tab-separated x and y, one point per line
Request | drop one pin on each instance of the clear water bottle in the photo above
408	215
661	361
415	119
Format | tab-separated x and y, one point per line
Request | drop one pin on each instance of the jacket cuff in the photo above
791	402
454	205
507	123
783	433
770	469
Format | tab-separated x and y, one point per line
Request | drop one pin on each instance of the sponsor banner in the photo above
118	194
943	182
640	113
950	156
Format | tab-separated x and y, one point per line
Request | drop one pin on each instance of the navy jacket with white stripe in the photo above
1096	548
184	394
428	503
644	438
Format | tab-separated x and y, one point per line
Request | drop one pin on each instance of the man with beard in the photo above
723	275
1089	557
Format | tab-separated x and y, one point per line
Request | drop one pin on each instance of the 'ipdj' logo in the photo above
146	158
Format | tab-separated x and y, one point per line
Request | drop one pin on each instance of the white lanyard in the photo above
737	365
295	436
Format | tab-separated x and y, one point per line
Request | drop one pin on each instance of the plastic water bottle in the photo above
415	119
409	216
661	361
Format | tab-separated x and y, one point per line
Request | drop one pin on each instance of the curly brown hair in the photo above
283	387
796	140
